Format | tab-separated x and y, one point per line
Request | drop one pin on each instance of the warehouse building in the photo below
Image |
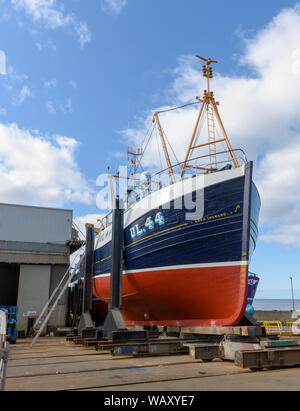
35	248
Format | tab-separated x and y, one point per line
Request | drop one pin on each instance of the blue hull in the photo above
219	236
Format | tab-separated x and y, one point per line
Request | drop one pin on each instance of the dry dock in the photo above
52	365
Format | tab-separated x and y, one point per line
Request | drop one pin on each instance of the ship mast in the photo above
171	171
210	105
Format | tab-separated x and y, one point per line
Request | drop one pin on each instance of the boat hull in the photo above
213	295
187	272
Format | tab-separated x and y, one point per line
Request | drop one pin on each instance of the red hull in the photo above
185	297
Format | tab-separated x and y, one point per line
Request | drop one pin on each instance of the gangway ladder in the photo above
45	315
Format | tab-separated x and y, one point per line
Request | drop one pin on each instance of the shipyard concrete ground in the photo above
52	365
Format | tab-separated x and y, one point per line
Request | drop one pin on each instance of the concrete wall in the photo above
35	224
34	284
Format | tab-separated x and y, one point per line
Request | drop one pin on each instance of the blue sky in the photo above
82	76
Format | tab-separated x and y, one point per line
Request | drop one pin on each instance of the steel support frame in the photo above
268	358
114	327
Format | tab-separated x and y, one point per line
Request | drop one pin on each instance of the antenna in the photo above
133	159
207	70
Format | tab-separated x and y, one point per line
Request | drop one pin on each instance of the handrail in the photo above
203	156
107	223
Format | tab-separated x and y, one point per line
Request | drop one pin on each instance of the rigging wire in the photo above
153	127
76	226
170	145
176	108
147	134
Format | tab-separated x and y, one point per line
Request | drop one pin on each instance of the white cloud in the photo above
24	93
13	77
38	170
50	107
286	234
83	33
65	107
260	112
49	44
52	14
2	63
16	85
113	6
278	178
50	83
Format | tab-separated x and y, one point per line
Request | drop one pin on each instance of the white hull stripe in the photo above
179	267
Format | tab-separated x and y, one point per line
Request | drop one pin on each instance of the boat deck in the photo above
53	365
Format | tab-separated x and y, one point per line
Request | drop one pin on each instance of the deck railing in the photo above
199	165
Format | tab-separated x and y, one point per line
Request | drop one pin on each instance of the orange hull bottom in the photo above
183	297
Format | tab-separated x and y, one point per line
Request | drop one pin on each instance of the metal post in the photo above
86	322
114	327
116	262
291	278
87	296
114	320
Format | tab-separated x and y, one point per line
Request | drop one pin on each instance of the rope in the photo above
76	226
176	108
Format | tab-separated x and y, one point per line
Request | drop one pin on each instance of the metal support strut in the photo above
86	322
114	327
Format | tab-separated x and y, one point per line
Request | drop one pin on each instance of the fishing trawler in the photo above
187	242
